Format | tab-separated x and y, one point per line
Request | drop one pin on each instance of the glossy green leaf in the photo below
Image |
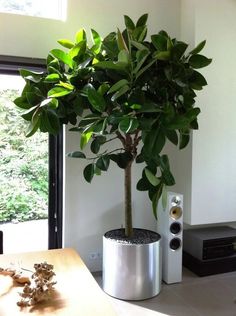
155	199
22	103
96	100
151	177
118	85
142	20
31	75
97	42
121	42
164	197
66	85
199	61
160	42
178	50
119	66
120	92
34	124
58	92
76	154
77	50
80	36
129	23
85	137
198	48
53	77
50	102
95	146
103	162
172	136
128	125
66	43
123	57
184	140
89	171
62	56
162	55
53	121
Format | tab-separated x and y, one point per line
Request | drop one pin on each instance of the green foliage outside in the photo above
23	168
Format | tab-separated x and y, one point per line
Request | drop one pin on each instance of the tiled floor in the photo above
207	296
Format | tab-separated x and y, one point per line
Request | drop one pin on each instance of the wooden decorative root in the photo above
37	288
41	287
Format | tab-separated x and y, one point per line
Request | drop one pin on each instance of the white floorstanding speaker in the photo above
170	227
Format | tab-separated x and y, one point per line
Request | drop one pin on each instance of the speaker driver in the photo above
176	212
175	228
175	243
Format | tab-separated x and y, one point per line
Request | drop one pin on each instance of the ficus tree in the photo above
123	87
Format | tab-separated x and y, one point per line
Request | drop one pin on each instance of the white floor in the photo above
195	296
25	236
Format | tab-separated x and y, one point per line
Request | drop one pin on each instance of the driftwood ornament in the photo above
38	287
41	286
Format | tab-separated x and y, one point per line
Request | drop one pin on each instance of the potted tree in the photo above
126	88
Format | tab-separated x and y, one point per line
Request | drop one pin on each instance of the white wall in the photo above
209	186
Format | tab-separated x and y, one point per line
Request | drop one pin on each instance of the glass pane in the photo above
23	176
54	9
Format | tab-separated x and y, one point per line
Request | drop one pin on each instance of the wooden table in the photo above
77	293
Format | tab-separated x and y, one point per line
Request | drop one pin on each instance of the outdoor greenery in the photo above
122	90
23	168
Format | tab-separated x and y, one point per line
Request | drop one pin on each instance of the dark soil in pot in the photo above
140	236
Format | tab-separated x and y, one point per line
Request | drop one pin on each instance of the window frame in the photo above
11	65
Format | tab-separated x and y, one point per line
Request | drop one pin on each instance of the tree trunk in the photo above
128	202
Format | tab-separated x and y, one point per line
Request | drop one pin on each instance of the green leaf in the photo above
121	42
97	42
85	137
76	154
31	75
155	199
142	20
53	122
178	50
122	159
119	66
22	103
129	23
89	171
96	100
66	85
162	55
66	43
143	185
119	84
151	177
95	146
184	140
197	81
50	102
160	42
164	197
104	87
199	61
58	92
103	162
119	93
34	124
198	48
123	57
62	56
80	36
54	77
154	142
77	50
128	125
172	136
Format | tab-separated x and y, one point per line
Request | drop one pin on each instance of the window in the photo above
52	9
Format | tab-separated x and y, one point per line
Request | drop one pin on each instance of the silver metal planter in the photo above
131	271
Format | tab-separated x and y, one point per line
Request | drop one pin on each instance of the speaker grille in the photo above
175	243
175	228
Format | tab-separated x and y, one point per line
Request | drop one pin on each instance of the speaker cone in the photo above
175	228
176	212
175	244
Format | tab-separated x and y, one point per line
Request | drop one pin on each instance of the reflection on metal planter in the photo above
131	271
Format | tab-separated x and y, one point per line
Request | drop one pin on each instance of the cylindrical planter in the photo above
131	269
